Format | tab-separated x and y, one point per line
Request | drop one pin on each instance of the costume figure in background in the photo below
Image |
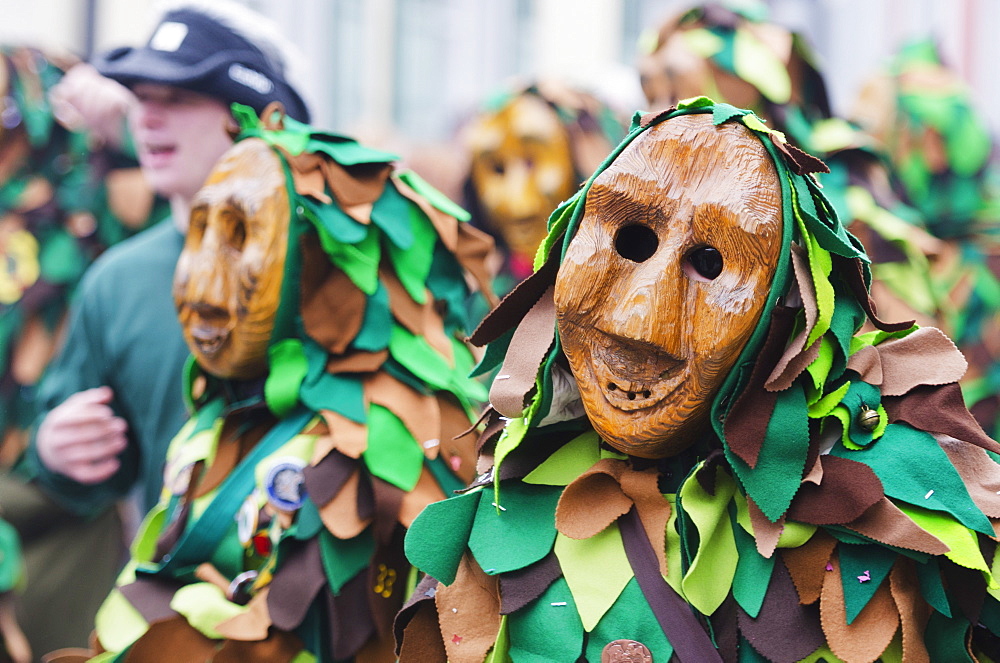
111	400
322	294
66	194
529	149
923	116
694	451
737	56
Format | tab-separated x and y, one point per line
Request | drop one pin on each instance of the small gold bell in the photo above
868	418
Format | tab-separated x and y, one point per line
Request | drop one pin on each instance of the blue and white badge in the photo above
285	484
247	519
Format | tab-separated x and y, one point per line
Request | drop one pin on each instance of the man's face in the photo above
179	135
522	168
666	279
228	279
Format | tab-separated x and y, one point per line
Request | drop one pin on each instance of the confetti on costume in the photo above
62	201
922	114
826	497
326	406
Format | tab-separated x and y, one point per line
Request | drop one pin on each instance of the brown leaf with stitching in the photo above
864	639
469	613
340	515
914	611
250	625
807	565
333	307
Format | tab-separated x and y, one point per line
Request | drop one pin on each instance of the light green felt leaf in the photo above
118	623
393	455
548	629
518	533
758	65
596	570
413	264
391	213
630	618
962	542
702	42
437	539
501	647
819	369
433	196
825	405
417	355
205	606
710	577
359	261
288	367
568	462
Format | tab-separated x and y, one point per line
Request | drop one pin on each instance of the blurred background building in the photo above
400	72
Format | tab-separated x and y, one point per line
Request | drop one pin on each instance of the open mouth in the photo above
634	375
209	339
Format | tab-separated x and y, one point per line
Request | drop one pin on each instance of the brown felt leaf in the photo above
653	509
979	472
864	639
171	640
421	641
445	224
250	625
332	306
425	492
418	412
765	533
307	175
279	647
528	348
886	523
346	436
593	500
847	490
420	319
458	438
799	162
792	363
340	515
358	361
867	363
361	185
815	473
474	248
939	410
807	565
296	583
925	357
469	613
914	611
852	271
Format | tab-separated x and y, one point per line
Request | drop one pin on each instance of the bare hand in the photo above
82	437
83	100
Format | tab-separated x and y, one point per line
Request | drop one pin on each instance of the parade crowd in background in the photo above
241	354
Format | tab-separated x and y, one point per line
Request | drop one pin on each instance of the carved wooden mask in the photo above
228	279
522	168
666	278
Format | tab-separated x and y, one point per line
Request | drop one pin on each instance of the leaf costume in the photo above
279	536
840	504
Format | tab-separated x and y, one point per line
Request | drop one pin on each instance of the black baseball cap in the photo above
192	50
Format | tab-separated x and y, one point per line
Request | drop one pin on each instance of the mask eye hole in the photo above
636	242
705	262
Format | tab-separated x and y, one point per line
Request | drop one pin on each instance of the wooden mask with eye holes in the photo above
522	168
666	278
228	280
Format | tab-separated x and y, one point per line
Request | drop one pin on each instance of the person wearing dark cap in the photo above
111	400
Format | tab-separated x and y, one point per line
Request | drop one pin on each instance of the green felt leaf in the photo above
433	196
747	654
548	629
359	260
914	469
753	573
518	534
413	264
819	369
344	395
946	639
932	587
205	606
825	405
774	481
347	151
118	624
60	259
288	367
962	542
307	521
596	570
341	227
820	266
437	539
709	578
859	395
858	563
416	354
391	213
392	454
724	112
501	647
344	558
568	461
630	618
757	64
377	324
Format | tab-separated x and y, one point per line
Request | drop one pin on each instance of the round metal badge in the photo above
626	651
247	519
285	484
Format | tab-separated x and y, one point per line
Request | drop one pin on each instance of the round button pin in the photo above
626	651
285	484
247	519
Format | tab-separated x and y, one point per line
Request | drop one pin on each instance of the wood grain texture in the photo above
648	337
228	279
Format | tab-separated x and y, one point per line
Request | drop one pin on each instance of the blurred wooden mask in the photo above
666	278
228	280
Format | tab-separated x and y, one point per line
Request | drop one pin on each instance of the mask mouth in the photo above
210	328
634	375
